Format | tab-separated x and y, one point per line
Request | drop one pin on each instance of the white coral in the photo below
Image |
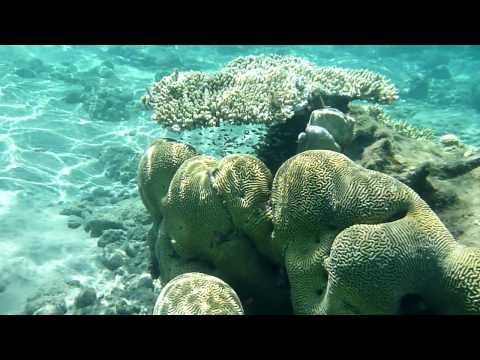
257	89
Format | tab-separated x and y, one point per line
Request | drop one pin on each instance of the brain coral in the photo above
358	241
215	212
258	89
156	169
197	294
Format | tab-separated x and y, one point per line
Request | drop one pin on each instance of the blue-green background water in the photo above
71	123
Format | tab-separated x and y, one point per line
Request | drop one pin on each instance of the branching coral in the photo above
358	241
402	127
259	89
197	294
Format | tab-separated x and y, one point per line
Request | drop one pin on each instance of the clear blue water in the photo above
67	111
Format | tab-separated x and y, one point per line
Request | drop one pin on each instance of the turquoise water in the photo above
71	123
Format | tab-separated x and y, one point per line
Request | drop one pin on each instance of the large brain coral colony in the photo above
356	241
215	220
351	240
322	236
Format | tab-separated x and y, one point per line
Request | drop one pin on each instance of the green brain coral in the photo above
258	89
215	212
358	241
351	240
197	294
156	169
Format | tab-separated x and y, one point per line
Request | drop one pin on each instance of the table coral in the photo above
259	89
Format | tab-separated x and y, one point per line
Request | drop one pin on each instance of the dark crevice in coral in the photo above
280	141
362	138
151	239
397	216
221	238
417	179
414	304
319	100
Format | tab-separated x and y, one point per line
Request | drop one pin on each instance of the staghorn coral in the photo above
197	294
358	241
259	89
215	215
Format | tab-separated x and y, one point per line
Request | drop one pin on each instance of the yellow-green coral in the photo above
358	241
157	166
215	212
169	263
197	294
243	182
194	214
258	89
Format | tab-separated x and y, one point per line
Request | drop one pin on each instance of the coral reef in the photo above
422	165
197	294
358	241
323	205
210	216
316	208
65	147
278	91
